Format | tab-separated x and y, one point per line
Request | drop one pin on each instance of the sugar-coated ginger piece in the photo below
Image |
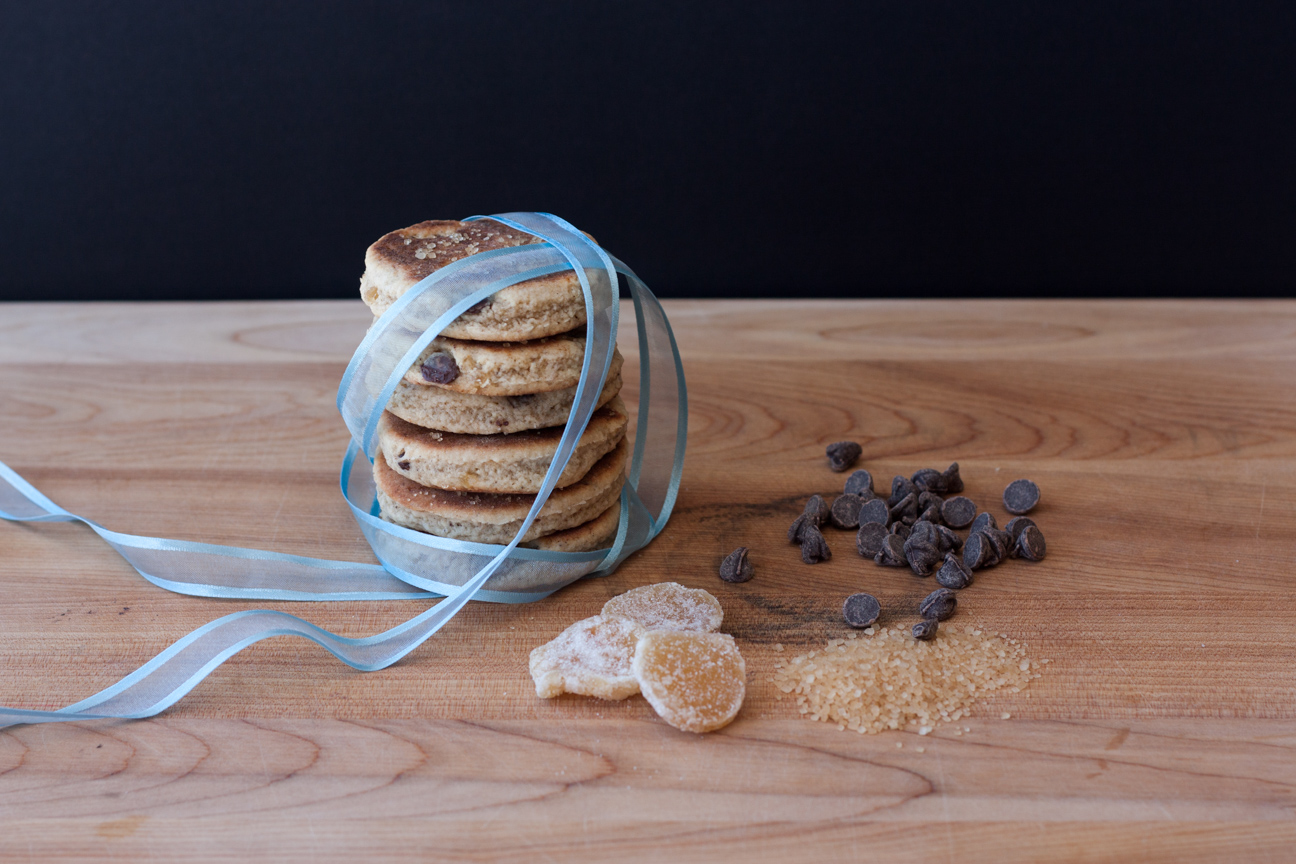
591	657
694	681
668	606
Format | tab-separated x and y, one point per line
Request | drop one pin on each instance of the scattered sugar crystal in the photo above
668	606
591	657
890	680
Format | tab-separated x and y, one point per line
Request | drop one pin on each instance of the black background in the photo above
253	150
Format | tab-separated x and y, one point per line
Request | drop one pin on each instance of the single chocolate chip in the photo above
954	574
1020	497
404	466
861	610
982	522
439	369
900	487
925	531
950	483
923	478
845	511
794	531
958	512
478	306
1018	524
932	514
927	499
869	539
925	630
923	557
1031	543
814	548
860	483
874	511
900	529
817	511
975	551
906	506
736	567
949	540
843	455
892	552
938	605
1001	542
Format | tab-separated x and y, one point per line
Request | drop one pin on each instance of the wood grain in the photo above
1162	434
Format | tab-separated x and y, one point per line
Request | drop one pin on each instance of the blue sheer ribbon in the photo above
412	565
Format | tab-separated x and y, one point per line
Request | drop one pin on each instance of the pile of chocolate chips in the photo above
914	527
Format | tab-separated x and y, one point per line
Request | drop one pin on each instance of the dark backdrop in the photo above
244	150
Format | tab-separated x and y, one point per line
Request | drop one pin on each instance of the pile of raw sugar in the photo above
886	679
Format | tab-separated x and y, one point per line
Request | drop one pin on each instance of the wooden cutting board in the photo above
1163	436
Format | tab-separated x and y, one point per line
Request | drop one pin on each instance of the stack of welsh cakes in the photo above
471	429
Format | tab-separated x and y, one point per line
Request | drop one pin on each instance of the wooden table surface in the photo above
1162	434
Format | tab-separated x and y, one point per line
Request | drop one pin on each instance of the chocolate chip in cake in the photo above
439	369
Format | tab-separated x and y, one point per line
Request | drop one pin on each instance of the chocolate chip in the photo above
928	499
976	549
861	610
1001	543
906	506
736	567
925	630
954	574
478	306
1020	497
900	487
950	483
1018	524
982	522
817	511
923	478
958	512
860	483
932	514
403	465
439	369
925	531
892	552
874	511
900	530
843	455
814	548
869	539
1030	543
938	605
949	540
795	529
921	555
845	511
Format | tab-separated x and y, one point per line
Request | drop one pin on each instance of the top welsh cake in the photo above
533	309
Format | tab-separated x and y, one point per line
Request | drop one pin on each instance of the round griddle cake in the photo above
514	463
528	310
501	368
598	533
471	414
494	518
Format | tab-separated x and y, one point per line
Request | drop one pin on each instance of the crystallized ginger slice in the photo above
694	681
591	657
668	606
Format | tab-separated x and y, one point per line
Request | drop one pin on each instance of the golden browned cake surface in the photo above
473	414
484	517
495	463
529	310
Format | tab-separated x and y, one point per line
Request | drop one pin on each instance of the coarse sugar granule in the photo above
886	679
